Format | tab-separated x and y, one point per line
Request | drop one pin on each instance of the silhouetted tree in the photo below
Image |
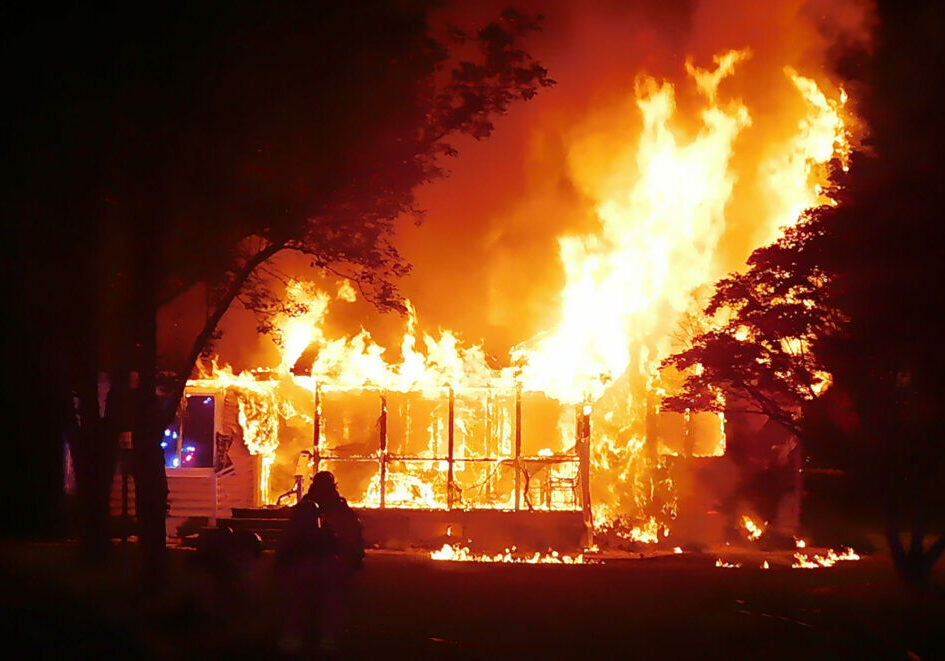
888	357
843	293
760	356
216	137
858	282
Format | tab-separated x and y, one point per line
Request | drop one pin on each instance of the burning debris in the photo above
754	530
828	560
460	553
648	532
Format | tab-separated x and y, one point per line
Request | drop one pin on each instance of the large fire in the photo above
680	181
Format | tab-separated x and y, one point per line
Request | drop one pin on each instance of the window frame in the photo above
196	471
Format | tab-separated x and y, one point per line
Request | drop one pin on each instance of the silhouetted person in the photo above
321	549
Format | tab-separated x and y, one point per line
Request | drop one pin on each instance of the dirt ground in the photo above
408	606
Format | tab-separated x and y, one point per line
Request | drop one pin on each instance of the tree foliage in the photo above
760	354
846	292
888	358
843	295
174	145
859	282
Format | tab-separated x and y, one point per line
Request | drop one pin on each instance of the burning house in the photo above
492	466
663	185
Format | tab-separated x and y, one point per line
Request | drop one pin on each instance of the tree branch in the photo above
233	290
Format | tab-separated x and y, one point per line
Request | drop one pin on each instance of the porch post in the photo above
450	486
518	446
584	468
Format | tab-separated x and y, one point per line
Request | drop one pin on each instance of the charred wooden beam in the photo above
518	446
450	485
584	457
382	427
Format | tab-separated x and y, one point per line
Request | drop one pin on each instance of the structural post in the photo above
317	428
218	404
578	422
689	437
125	515
383	453
518	446
584	466
651	440
450	486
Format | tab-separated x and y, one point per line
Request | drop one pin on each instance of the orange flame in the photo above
661	201
727	565
459	553
753	529
801	561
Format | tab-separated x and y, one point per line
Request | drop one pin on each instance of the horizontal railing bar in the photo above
393	457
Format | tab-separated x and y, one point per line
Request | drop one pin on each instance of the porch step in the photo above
491	530
261	513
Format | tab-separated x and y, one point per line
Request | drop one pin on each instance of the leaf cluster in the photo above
327	136
760	351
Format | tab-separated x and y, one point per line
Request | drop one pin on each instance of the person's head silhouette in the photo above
323	487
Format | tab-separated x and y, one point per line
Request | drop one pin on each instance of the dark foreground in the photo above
406	606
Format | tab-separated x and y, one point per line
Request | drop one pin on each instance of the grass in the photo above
407	606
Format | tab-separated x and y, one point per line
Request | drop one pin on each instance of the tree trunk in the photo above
893	529
152	414
150	498
150	481
148	457
93	443
915	564
93	457
210	326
